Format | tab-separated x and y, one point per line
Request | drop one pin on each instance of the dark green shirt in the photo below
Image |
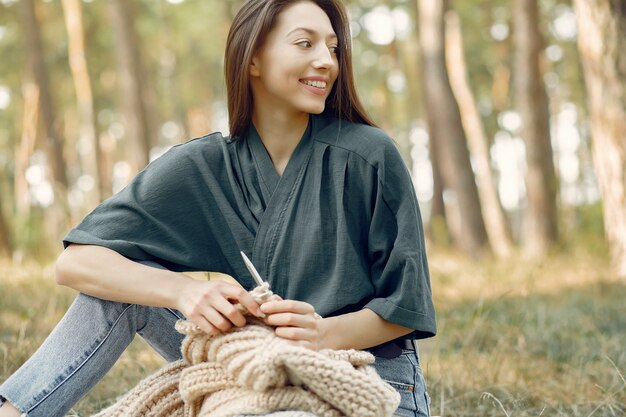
340	229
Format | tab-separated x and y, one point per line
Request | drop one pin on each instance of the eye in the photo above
334	49
304	43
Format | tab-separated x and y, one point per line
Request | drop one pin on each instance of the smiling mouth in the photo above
316	84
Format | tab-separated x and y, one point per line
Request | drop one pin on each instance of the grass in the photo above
515	338
520	339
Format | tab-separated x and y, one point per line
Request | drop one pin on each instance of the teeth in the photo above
318	84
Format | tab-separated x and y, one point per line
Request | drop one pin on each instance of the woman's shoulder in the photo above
370	143
197	154
208	141
207	146
351	134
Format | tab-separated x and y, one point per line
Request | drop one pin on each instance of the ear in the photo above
255	67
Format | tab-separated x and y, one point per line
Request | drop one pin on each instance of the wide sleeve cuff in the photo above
125	248
423	325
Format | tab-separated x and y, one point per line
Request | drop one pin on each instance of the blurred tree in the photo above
540	217
437	229
50	123
181	46
6	247
444	124
169	62
88	147
602	42
495	222
26	146
132	85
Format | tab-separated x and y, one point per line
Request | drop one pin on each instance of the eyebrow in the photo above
312	32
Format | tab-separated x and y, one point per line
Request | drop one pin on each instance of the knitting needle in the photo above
252	269
257	277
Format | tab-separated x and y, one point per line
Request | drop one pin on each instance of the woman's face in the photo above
296	67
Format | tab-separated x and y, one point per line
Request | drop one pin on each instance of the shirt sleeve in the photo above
164	215
396	250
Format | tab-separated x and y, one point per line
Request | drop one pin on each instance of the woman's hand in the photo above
209	305
294	321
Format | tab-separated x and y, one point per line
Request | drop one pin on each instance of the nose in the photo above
324	59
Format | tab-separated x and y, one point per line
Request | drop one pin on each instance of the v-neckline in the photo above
269	176
277	192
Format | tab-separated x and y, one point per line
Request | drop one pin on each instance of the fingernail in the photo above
262	315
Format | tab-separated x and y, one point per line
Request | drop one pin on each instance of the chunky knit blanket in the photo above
249	370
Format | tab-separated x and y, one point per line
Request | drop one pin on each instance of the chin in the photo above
315	109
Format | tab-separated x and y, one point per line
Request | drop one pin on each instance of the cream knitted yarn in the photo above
249	370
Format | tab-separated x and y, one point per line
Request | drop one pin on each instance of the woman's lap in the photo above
94	333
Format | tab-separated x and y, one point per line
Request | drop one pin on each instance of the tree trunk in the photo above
495	222
88	148
131	72
50	125
602	42
108	146
540	217
6	247
444	123
24	149
438	227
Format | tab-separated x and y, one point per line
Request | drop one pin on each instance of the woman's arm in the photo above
295	320
359	330
103	273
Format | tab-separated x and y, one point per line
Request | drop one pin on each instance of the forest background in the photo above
511	117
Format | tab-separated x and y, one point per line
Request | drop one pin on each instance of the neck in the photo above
280	133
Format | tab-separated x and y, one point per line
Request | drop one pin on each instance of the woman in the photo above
306	186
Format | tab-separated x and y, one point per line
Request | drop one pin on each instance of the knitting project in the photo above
249	370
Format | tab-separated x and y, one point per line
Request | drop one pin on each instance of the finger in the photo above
295	333
227	310
216	319
287	306
291	320
240	295
204	325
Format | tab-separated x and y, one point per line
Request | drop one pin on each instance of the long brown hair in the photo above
251	25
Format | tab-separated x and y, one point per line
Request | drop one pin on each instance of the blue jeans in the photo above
94	333
404	373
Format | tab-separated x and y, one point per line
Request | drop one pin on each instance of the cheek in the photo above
335	72
335	79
